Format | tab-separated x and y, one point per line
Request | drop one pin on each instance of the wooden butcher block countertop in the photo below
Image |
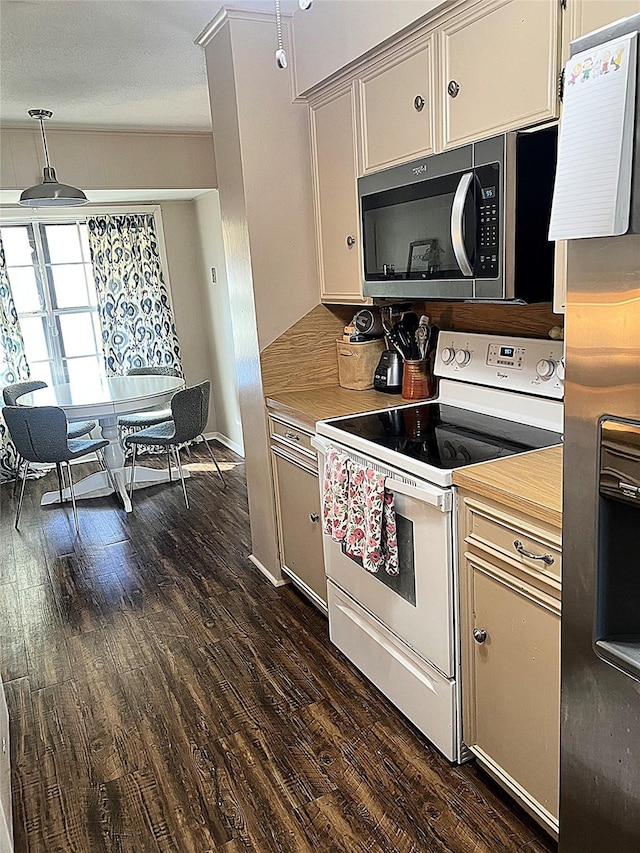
529	482
330	401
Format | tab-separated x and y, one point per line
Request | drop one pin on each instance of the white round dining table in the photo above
104	399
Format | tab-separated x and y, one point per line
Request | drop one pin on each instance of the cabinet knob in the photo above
314	517
479	635
351	241
418	103
453	88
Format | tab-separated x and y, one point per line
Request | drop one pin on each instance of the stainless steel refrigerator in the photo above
600	722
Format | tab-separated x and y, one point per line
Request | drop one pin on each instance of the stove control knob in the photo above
560	369
545	368
448	354
463	356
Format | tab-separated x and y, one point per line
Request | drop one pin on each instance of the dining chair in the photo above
40	435
189	414
141	420
10	394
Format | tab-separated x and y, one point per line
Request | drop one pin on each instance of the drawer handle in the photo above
479	635
418	103
313	517
546	558
292	436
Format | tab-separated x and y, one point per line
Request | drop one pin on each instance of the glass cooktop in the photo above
445	436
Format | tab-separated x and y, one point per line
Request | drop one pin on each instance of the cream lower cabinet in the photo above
397	108
511	651
335	173
499	68
295	476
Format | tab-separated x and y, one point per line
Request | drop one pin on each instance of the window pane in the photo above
70	285
18	250
64	243
35	341
91	284
84	240
41	370
83	371
77	334
24	287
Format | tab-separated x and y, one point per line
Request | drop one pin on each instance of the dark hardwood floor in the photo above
165	697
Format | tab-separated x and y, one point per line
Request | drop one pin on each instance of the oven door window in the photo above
404	583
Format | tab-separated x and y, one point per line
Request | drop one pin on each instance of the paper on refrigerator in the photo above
592	193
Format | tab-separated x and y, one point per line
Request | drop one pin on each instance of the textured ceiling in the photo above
107	63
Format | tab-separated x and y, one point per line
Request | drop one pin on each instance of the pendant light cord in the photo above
44	142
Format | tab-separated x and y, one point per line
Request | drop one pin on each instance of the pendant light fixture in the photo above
50	193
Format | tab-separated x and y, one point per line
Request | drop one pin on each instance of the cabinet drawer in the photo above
529	544
293	437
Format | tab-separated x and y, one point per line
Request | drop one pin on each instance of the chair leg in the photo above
19	461
133	471
25	471
169	463
73	499
106	469
188	449
215	462
184	485
59	473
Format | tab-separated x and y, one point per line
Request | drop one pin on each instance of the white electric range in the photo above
497	397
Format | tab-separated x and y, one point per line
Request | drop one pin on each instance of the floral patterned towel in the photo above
335	491
371	521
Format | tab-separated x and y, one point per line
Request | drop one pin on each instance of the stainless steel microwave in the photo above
471	223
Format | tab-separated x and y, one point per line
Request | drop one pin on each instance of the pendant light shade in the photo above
50	193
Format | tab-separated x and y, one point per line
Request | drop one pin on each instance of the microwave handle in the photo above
457	217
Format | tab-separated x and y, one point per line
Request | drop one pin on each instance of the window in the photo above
51	278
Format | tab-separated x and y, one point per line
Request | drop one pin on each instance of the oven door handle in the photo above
457	223
442	500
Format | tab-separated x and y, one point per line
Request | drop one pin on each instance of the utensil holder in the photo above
417	380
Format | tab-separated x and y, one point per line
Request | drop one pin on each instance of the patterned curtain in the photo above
13	364
133	302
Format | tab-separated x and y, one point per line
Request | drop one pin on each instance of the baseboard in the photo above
223	439
271	577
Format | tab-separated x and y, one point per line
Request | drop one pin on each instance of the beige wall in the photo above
217	312
108	159
264	177
333	33
182	243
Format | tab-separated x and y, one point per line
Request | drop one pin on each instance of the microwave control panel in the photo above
530	365
488	231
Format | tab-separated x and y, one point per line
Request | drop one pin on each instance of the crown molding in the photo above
233	13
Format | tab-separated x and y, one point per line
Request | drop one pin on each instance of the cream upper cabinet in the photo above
335	172
498	68
588	15
397	108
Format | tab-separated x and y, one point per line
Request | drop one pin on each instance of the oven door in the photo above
417	605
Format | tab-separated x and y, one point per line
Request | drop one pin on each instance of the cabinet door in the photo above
514	697
499	68
336	200
397	109
588	15
298	501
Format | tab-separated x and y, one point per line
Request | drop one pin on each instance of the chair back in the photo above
190	411
39	433
152	371
10	393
